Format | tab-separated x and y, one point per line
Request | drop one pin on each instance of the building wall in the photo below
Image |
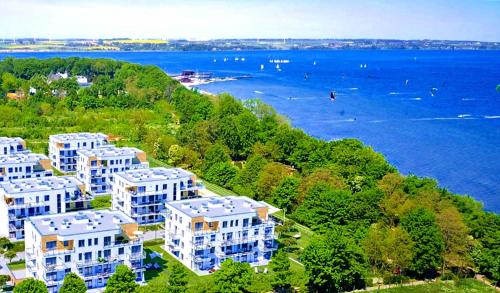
63	153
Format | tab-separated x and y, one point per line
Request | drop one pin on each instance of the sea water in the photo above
431	113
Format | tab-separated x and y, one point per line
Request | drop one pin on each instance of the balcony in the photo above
192	187
16	227
201	258
137	256
237	252
263	224
237	240
99	261
54	267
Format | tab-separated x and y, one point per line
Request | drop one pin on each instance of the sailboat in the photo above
314	63
262	67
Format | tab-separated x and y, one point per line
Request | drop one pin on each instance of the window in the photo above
65	243
107	240
224	224
232	222
198	226
212	237
236	223
67	258
51	245
81	243
107	253
121	251
245	222
89	242
47	198
96	241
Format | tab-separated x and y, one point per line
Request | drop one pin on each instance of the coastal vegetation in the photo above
363	219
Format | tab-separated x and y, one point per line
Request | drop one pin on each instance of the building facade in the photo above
12	145
24	165
202	233
89	243
96	166
20	199
142	193
63	148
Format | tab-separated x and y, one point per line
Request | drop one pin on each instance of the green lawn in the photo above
462	286
17	265
101	202
306	235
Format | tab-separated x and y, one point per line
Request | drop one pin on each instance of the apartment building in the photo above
202	233
142	193
89	243
24	165
23	198
12	145
63	148
96	166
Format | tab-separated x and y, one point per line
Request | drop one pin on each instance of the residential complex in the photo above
24	198
89	243
24	165
142	193
204	232
63	148
96	166
11	145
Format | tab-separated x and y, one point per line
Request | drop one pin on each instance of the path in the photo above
296	261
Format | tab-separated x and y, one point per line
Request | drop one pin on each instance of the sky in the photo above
205	19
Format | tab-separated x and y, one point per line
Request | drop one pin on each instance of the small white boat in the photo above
277	66
215	60
314	63
262	67
236	59
242	59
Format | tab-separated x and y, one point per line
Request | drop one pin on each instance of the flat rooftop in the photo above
109	151
216	206
39	184
153	174
81	222
10	140
19	158
65	137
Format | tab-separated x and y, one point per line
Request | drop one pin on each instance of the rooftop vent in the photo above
185	206
116	220
46	221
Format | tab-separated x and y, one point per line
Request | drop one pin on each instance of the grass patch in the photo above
461	286
154	227
18	246
17	265
101	202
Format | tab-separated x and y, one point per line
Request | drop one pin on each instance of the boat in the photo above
314	63
262	67
242	59
333	95
277	66
215	60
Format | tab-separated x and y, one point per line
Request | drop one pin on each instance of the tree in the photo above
73	284
280	265
177	279
3	280
5	243
122	281
233	277
456	238
334	263
286	193
10	255
222	174
216	153
429	246
269	178
31	286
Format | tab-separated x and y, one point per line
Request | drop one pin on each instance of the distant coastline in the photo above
146	45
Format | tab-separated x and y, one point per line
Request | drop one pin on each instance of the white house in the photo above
12	145
96	166
142	193
89	243
24	165
203	232
63	148
24	198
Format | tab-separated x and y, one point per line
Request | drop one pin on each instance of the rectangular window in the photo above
245	222
224	224
47	198
50	245
121	251
232	222
198	226
81	243
67	258
89	242
96	241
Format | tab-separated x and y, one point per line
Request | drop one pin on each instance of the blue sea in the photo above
431	113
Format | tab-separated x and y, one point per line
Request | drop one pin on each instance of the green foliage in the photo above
428	241
177	280
280	265
122	281
233	277
73	284
3	280
215	154
10	255
31	285
286	193
334	263
221	173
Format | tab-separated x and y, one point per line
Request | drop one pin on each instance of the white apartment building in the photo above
96	166
63	148
23	198
24	165
12	145
142	193
89	243
202	233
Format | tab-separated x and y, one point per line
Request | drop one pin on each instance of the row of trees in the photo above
341	189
